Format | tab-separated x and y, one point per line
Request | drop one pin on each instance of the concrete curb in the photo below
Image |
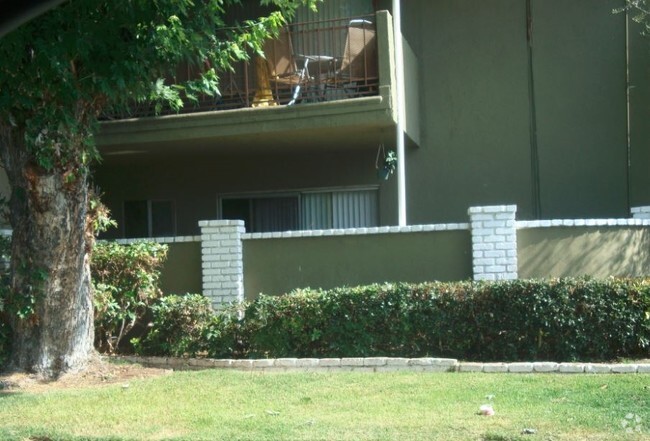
385	364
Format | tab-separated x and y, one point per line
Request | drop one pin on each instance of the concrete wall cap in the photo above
358	231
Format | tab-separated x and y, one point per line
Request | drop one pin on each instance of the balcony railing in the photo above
308	62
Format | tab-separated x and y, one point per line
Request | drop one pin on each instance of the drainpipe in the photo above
401	114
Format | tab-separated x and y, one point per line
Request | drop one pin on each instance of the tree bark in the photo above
50	297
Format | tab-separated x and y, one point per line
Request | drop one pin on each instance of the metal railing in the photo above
308	62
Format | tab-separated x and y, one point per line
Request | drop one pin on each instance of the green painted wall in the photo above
276	266
181	272
579	78
639	117
543	126
576	251
474	108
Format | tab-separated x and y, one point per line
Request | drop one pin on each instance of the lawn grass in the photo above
230	405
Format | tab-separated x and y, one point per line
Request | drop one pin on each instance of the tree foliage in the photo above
640	13
59	73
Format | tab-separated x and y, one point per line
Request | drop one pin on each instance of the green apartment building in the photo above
538	103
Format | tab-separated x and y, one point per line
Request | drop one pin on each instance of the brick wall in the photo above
494	242
222	261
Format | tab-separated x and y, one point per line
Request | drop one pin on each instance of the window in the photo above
266	214
149	219
339	209
308	210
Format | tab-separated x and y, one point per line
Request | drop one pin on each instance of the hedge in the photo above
553	320
177	327
522	320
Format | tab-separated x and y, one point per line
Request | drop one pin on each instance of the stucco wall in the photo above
276	266
580	103
474	108
639	116
536	119
181	272
576	251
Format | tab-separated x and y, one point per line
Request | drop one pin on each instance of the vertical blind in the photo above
275	214
317	210
354	209
339	209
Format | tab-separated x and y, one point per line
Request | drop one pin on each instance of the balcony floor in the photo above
339	124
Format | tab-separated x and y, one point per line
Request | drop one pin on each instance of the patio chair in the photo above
284	76
358	71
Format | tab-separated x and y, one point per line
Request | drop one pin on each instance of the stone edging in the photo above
386	364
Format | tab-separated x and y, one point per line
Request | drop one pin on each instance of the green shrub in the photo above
125	281
177	326
560	319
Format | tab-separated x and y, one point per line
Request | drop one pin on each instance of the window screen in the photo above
149	219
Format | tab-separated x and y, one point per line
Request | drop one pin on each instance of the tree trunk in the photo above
50	300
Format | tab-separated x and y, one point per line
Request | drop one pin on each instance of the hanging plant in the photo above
388	165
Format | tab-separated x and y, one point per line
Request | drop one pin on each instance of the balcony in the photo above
316	76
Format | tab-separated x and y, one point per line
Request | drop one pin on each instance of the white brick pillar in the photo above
494	242
640	212
222	261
